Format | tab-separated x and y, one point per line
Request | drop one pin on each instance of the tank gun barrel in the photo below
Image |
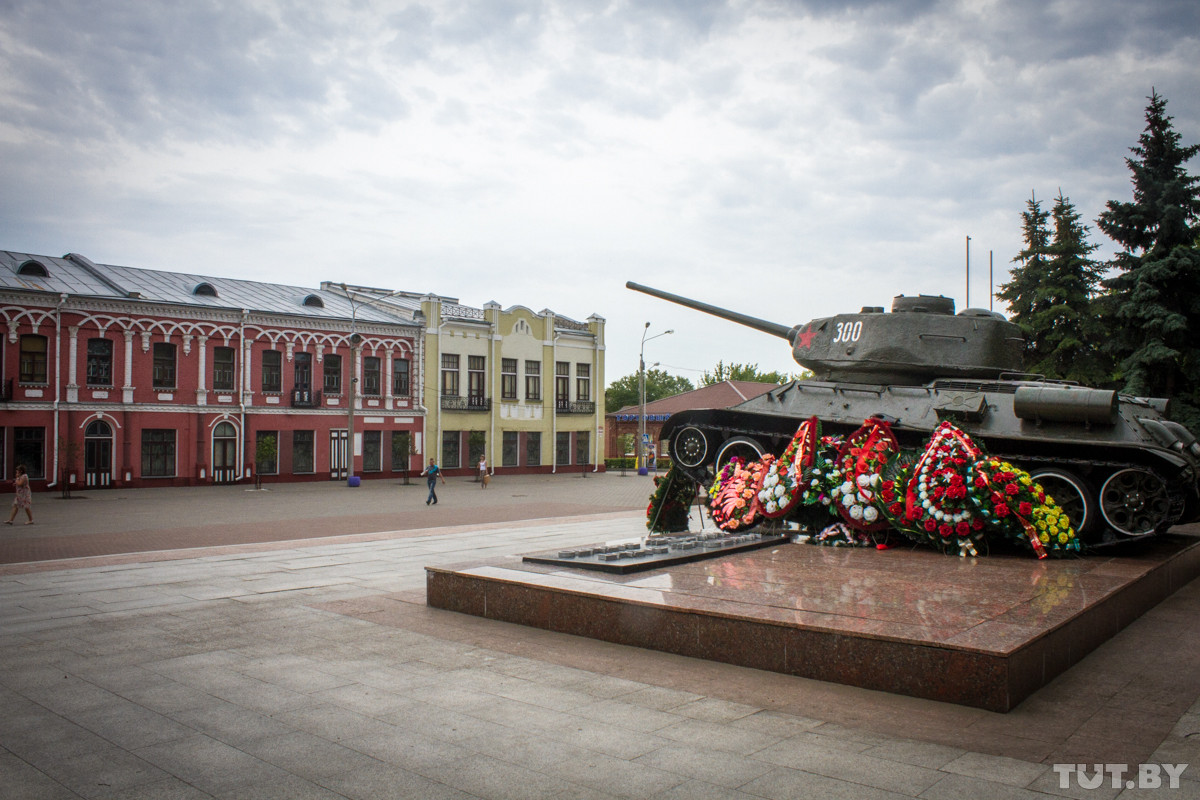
773	328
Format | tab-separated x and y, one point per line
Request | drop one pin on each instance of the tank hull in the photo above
1097	453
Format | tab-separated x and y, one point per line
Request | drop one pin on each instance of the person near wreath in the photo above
23	499
432	473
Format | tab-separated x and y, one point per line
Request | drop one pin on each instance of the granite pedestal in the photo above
984	632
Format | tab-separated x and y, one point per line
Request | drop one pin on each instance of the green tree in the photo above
1025	303
742	372
1155	300
624	391
266	449
1068	325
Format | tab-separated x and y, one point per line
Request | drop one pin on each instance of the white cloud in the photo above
789	160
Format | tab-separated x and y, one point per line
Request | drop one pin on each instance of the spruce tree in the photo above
1021	291
1067	325
1156	293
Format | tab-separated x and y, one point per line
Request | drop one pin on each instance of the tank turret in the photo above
921	339
1115	463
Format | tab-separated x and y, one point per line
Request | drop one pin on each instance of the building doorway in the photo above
224	452
97	455
338	452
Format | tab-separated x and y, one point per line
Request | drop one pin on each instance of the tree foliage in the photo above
1053	295
1021	292
742	372
624	391
1155	301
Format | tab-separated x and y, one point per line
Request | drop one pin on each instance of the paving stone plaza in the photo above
219	642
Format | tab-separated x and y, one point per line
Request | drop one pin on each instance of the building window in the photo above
401	377
272	371
533	380
582	456
302	452
451	442
332	374
533	449
266	466
223	369
99	362
401	451
29	448
476	377
373	450
562	449
158	453
510	444
372	372
450	374
302	371
164	369
562	383
508	379
583	382
33	359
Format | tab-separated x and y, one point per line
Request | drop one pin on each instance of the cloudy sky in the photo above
786	159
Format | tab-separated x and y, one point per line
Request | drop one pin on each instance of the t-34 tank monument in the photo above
1118	467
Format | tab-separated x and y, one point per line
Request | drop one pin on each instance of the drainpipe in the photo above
437	390
597	385
62	298
491	388
241	392
554	389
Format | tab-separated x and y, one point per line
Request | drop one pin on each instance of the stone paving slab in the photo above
313	668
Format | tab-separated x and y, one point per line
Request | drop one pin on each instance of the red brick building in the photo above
115	376
624	421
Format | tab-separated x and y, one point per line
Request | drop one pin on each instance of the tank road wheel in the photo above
1135	502
1073	495
744	448
690	447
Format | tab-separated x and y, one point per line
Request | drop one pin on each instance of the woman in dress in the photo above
24	498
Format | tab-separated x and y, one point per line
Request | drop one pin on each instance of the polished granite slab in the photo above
984	632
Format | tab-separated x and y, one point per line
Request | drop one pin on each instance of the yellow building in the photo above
517	387
521	389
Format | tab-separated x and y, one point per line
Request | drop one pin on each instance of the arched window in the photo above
98	428
312	301
204	290
33	269
225	430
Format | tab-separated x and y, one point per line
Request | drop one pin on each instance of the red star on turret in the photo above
805	337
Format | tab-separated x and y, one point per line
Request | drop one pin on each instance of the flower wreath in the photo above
783	484
733	497
862	459
673	496
1010	501
936	506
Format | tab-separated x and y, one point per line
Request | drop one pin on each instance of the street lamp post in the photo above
642	446
353	377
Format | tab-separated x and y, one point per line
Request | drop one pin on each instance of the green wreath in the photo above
673	495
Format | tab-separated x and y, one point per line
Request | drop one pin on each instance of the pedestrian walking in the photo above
24	498
432	473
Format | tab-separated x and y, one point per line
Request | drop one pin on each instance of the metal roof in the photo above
76	275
